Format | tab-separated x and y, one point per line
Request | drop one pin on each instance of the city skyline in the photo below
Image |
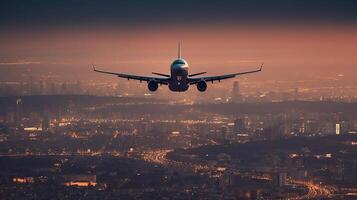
288	132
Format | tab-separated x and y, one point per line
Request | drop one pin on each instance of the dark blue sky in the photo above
17	13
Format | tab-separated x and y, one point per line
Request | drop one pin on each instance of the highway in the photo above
315	191
159	157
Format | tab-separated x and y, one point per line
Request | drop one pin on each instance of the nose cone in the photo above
179	65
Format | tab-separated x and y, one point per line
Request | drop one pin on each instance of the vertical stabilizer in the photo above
179	50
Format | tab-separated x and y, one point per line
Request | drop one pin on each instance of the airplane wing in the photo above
160	80
221	77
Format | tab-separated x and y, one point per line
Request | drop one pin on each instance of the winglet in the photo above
94	68
261	67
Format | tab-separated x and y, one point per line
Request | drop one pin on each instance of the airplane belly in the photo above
179	82
178	87
179	76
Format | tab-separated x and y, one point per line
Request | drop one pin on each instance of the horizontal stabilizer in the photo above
165	75
191	75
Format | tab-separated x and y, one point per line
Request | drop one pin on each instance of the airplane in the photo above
179	80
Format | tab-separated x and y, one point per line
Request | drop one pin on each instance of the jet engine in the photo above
201	85
153	85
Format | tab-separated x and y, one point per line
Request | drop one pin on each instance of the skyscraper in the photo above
235	92
18	112
42	87
338	129
239	125
45	121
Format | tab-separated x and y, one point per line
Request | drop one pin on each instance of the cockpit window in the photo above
179	62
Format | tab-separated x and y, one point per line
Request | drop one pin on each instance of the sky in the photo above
290	37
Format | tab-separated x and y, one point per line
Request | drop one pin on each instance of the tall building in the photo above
296	93
223	132
78	87
42	87
63	88
239	126
18	112
32	87
227	179
45	121
235	92
281	178
338	129
350	170
53	89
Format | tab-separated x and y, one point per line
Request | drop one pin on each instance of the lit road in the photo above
315	190
159	157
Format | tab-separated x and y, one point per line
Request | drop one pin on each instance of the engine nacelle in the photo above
153	85
201	86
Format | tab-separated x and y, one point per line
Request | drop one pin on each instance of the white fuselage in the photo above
179	76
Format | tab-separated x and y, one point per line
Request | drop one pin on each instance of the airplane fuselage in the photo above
179	80
179	76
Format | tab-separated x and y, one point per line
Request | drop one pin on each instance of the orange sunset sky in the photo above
228	44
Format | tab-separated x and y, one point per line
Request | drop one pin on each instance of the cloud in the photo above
20	63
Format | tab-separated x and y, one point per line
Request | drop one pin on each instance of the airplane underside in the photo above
178	87
179	80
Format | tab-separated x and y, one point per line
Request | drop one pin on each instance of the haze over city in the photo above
286	132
